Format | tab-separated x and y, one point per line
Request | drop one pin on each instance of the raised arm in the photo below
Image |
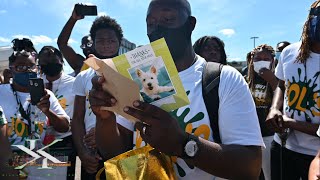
269	76
75	60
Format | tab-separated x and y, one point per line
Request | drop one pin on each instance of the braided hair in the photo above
200	43
263	47
22	47
304	51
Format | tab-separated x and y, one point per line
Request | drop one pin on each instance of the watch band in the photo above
190	138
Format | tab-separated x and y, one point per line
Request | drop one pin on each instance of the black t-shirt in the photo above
262	94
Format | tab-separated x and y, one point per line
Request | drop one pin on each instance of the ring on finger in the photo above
144	130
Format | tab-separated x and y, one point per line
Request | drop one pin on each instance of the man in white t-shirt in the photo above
298	96
106	34
239	155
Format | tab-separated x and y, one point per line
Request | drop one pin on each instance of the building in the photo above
5	52
126	46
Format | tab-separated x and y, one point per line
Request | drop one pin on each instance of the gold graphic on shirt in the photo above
302	95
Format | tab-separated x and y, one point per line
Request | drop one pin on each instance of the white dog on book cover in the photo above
150	83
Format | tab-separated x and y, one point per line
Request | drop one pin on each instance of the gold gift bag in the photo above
139	164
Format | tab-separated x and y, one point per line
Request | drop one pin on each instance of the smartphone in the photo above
36	88
86	10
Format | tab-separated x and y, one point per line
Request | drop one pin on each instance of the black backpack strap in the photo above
210	87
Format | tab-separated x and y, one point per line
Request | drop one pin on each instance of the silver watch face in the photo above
191	148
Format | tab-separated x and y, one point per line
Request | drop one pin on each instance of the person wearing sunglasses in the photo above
24	120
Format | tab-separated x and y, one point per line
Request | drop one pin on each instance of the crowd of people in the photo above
268	114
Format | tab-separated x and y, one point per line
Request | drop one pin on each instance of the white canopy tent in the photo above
5	52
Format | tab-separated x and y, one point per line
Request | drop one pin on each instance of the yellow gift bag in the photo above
139	164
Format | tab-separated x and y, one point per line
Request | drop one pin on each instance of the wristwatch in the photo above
191	147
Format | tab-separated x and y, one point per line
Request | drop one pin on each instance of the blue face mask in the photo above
22	78
314	29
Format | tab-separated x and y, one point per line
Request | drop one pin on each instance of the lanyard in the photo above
24	114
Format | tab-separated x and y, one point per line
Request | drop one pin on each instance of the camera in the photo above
85	10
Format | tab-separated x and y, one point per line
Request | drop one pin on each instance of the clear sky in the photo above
234	21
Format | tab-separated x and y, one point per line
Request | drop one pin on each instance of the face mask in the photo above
22	79
261	64
177	39
52	69
314	29
277	55
88	51
105	57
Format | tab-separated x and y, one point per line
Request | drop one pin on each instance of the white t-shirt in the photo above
17	126
297	95
3	119
73	74
62	89
238	121
81	87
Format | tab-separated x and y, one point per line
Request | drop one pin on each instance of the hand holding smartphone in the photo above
85	10
36	88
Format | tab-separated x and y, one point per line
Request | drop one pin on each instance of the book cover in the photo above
153	69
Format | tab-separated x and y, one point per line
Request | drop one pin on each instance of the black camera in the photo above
85	10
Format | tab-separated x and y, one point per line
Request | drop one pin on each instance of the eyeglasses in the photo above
88	45
21	68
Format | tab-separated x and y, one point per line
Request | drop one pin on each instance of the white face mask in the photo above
261	64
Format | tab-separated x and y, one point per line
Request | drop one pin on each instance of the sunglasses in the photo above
23	68
88	45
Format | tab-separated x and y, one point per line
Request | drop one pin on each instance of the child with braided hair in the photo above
262	82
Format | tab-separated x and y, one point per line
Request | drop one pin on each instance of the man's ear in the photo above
193	22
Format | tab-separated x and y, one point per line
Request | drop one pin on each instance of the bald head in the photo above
182	5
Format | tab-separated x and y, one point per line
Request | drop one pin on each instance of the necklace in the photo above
23	113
